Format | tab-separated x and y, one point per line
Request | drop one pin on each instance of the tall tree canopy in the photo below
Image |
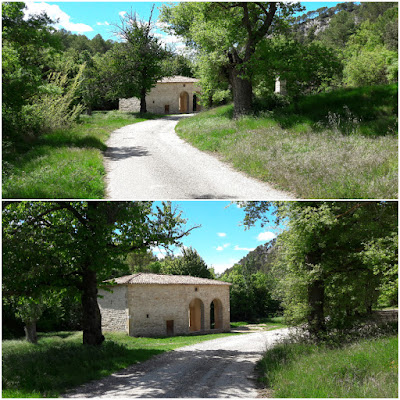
137	63
58	245
337	257
227	35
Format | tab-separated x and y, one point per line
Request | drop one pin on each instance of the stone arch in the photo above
196	105
184	102
216	314
196	315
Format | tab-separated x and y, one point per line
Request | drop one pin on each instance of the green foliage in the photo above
77	245
365	369
304	67
189	263
250	294
225	35
326	253
135	65
54	107
382	255
368	60
27	46
81	43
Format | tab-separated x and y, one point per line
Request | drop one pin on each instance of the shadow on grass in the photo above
62	335
69	140
51	368
369	111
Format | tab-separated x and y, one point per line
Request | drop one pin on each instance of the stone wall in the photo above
129	105
114	309
166	98
152	305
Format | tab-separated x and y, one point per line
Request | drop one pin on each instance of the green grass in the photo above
59	361
368	368
63	164
337	145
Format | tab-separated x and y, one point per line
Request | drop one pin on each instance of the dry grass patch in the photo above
309	162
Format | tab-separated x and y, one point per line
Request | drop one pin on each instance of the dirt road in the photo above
148	160
215	368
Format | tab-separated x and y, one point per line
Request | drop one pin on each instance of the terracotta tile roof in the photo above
177	79
158	279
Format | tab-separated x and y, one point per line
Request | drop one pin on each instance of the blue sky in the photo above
221	240
91	18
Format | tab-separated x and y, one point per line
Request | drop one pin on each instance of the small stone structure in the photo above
173	95
165	305
280	86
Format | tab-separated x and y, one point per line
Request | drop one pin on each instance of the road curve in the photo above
216	368
148	161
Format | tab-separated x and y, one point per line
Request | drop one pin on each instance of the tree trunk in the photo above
30	331
143	107
92	333
316	318
316	299
242	93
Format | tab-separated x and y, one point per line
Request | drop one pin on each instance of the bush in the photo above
55	107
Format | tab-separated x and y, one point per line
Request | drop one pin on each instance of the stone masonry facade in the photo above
166	309
172	95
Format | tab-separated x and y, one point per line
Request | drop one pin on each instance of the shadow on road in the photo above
120	153
177	374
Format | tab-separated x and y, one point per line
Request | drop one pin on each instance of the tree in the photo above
27	45
367	60
139	261
304	67
73	246
229	33
189	263
329	279
136	63
340	28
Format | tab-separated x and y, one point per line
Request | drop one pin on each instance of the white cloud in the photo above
221	234
224	246
266	236
56	14
161	25
103	23
243	248
220	268
122	13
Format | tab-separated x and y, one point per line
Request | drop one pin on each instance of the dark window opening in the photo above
170	327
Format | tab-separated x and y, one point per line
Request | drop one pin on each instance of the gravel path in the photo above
148	160
215	368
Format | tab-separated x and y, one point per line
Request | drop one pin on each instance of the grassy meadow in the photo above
368	368
65	163
341	144
59	361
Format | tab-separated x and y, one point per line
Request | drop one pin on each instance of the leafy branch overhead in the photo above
55	245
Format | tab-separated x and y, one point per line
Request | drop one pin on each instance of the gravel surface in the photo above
148	160
215	368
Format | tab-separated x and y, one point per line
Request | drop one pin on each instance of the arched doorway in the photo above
184	102
216	314
196	315
194	103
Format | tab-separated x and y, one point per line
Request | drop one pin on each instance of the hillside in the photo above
317	21
259	259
